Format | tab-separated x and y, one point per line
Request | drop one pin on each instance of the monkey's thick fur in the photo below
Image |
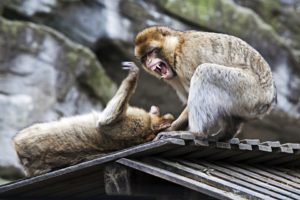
48	146
223	80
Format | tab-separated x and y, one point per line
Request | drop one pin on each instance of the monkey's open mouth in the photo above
163	69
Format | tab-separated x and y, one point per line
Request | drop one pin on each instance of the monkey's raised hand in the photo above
131	66
117	106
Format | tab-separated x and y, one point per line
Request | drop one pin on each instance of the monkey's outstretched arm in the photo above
181	122
117	106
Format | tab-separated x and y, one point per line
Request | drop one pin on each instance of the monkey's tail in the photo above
274	100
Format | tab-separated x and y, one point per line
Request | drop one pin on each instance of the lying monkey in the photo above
48	146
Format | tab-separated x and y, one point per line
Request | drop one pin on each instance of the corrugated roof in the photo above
223	180
210	167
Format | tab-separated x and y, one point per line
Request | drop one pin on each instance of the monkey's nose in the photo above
148	61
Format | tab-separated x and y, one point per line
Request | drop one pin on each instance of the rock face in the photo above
75	81
43	76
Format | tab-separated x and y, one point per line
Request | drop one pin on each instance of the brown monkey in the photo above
223	80
47	146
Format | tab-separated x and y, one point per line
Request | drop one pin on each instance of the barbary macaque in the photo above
45	147
221	78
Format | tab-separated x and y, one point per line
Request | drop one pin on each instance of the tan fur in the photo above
45	147
212	54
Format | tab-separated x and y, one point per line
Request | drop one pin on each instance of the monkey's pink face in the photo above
157	65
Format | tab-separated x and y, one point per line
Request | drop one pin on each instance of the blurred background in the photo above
62	57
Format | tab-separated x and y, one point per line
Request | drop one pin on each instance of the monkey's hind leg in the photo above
228	128
219	92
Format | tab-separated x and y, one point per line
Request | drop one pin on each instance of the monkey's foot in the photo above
175	134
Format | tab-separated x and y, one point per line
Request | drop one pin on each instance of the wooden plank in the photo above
156	147
193	146
264	148
245	147
289	171
57	176
190	146
244	180
264	158
75	184
251	141
208	149
204	152
234	141
273	144
272	176
223	145
211	180
277	152
294	146
241	169
236	148
225	155
233	151
244	157
178	179
286	149
285	159
281	174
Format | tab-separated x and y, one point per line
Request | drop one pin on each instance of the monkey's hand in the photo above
181	122
176	134
131	66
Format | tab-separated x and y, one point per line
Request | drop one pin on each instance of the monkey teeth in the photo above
153	68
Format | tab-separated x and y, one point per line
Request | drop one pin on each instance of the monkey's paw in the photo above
131	66
175	134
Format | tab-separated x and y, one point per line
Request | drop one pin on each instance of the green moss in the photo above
3	181
75	58
266	9
72	58
11	28
219	16
99	82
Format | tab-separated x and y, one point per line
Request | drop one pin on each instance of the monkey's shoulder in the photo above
211	38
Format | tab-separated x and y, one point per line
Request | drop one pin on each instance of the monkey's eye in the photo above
154	51
144	58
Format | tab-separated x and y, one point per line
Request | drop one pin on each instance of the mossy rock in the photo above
221	16
3	181
74	59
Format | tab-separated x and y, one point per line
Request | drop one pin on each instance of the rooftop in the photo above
238	169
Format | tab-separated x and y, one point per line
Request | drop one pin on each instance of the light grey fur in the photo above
218	90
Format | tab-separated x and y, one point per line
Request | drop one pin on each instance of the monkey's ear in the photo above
155	110
165	31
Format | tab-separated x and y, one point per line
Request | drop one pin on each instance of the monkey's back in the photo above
58	143
225	50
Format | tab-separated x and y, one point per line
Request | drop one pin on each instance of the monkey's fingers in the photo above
127	63
126	68
129	66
